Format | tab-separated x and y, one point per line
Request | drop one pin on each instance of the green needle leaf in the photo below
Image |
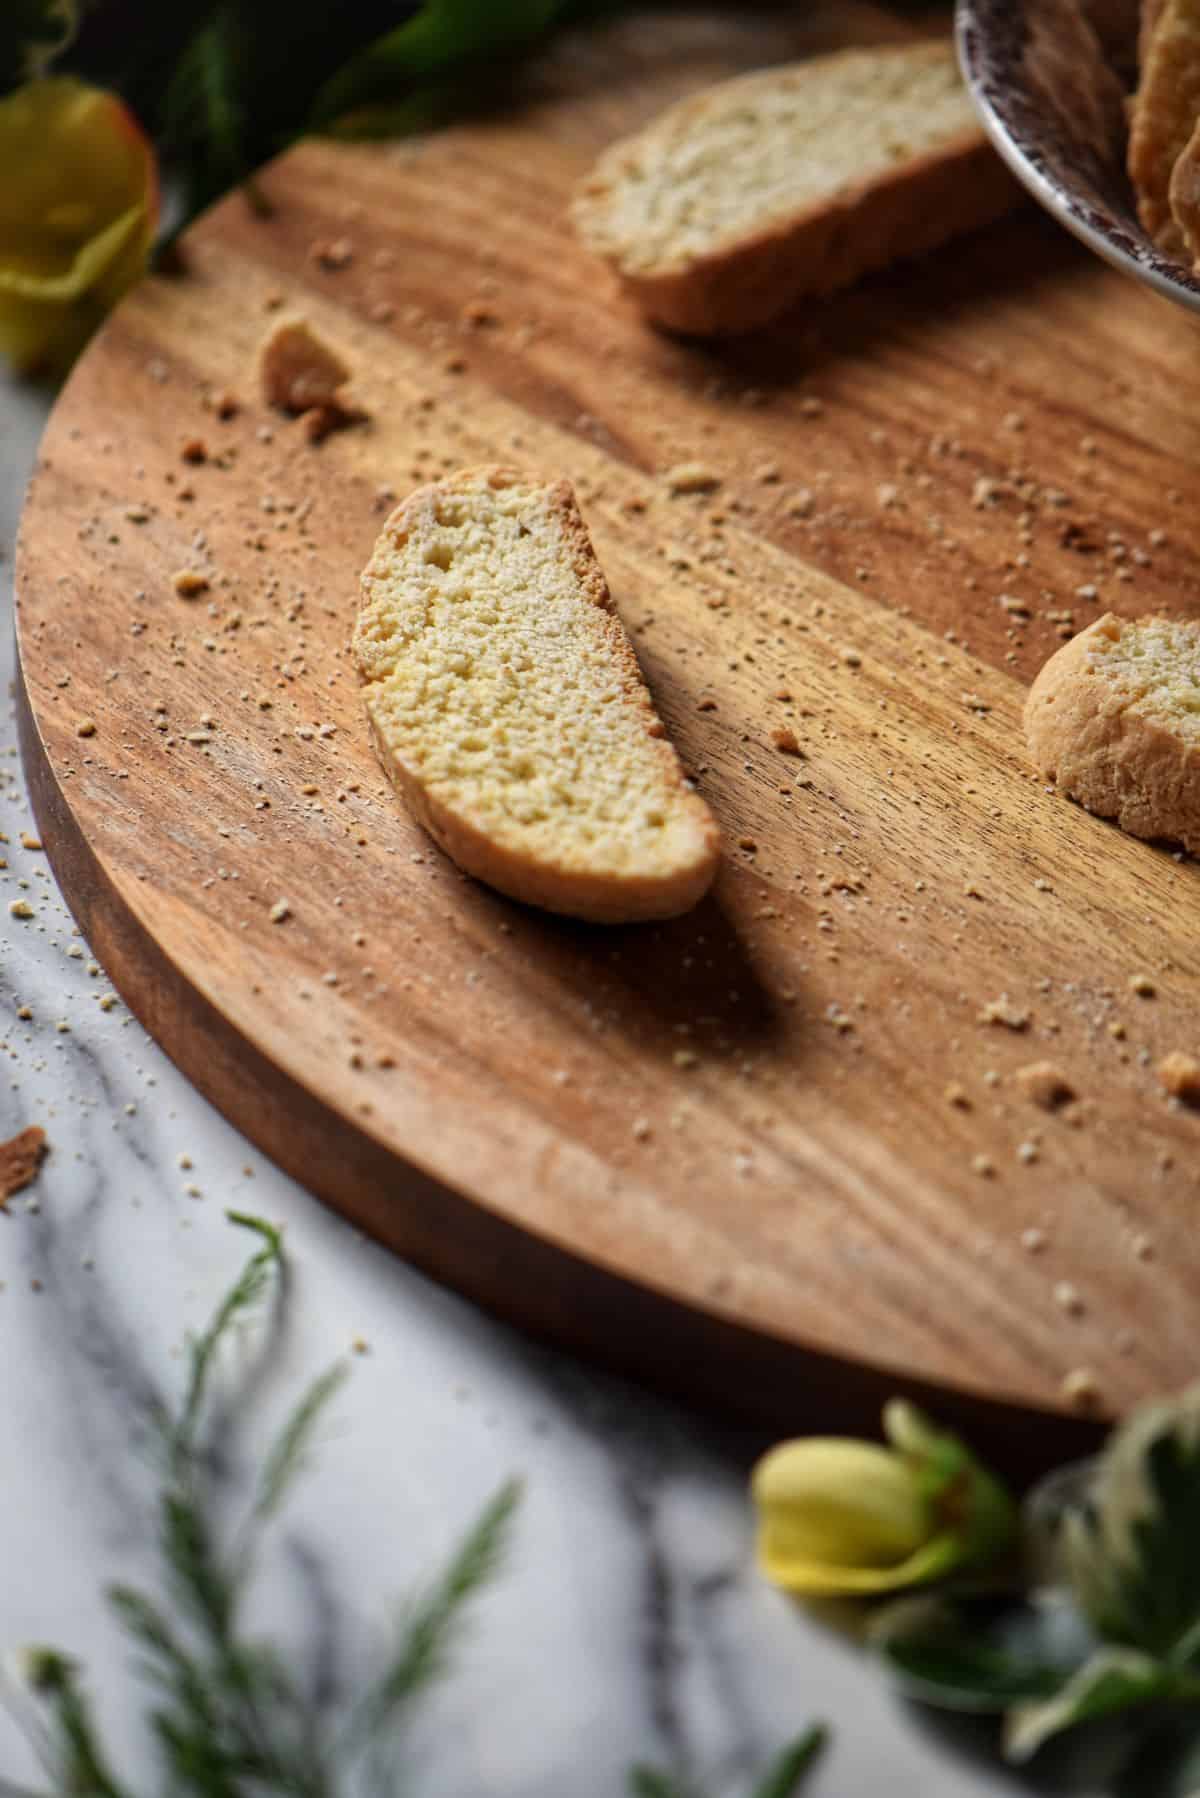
421	1655
287	1454
648	1782
76	1759
239	1300
784	1775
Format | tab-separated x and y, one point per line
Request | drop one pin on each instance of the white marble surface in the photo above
629	1623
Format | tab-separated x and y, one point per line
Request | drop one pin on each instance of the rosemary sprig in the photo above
421	1654
228	1720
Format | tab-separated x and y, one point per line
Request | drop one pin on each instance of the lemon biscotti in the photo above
1114	719
507	705
792	181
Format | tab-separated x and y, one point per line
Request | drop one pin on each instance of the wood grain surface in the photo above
774	1153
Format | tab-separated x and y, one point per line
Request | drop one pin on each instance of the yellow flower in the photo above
842	1517
78	213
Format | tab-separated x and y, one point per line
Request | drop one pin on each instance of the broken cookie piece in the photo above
20	1158
301	374
297	371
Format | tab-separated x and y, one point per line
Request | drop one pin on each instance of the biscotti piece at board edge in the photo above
1114	719
508	708
788	182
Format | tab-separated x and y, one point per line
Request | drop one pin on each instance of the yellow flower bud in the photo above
78	213
843	1517
836	1515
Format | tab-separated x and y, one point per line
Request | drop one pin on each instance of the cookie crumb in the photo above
691	477
785	741
1002	1011
1143	986
1044	1084
1179	1073
334	256
1068	1298
1080	1389
188	582
298	371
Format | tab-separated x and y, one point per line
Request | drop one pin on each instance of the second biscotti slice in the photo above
795	180
507	705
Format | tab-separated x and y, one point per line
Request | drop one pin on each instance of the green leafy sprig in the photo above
1110	1625
228	1717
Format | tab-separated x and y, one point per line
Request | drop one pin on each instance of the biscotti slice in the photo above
1165	109
791	181
1114	718
507	705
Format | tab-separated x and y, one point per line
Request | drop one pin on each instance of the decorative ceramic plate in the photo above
1047	145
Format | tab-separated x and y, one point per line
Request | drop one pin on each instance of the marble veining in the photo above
629	1623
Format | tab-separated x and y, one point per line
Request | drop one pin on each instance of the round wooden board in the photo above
775	1153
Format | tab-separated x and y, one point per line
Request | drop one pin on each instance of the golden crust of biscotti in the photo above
1151	11
1086	734
567	877
750	275
1184	194
1164	113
